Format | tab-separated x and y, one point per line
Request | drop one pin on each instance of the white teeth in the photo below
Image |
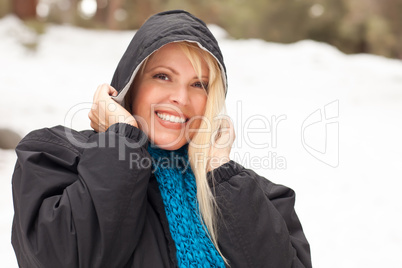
171	118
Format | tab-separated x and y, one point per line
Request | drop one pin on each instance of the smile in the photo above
171	118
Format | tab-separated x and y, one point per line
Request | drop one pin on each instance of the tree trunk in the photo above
25	9
101	15
114	5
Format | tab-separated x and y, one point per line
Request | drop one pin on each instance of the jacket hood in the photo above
161	29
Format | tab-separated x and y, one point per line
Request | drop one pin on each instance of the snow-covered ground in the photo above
326	124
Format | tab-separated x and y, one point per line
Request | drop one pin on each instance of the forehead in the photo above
168	51
173	54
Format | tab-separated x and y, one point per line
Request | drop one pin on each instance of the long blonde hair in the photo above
199	147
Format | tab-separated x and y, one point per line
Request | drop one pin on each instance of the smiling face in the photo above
169	98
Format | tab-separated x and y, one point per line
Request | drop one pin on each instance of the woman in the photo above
153	185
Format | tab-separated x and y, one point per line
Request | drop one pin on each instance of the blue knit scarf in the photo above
178	188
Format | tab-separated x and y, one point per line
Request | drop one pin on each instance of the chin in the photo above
171	144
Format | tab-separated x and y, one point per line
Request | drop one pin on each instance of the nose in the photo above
179	95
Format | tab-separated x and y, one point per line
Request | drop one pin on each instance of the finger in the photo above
108	90
104	90
94	126
112	91
227	126
226	134
94	107
92	116
232	131
96	94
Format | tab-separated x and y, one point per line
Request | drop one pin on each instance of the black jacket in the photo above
94	207
81	201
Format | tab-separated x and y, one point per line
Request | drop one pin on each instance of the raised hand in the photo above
220	149
106	112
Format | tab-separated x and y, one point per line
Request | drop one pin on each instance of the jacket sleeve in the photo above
75	206
258	225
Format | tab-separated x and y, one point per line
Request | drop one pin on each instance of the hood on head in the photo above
161	29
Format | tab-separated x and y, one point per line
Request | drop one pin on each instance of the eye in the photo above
161	76
203	85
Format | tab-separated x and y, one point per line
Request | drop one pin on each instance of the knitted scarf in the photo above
178	188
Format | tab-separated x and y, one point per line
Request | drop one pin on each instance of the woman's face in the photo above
169	99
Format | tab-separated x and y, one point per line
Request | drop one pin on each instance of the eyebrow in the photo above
166	67
173	71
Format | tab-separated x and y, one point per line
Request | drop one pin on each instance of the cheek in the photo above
141	100
199	104
137	107
141	107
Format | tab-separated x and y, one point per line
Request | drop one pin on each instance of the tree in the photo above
114	6
25	9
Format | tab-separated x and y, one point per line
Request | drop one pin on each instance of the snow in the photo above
346	168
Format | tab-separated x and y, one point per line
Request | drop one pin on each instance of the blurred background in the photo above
353	26
335	60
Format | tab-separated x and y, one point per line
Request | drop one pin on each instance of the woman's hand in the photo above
106	112
220	150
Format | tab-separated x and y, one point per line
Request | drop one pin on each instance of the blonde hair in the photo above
199	147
